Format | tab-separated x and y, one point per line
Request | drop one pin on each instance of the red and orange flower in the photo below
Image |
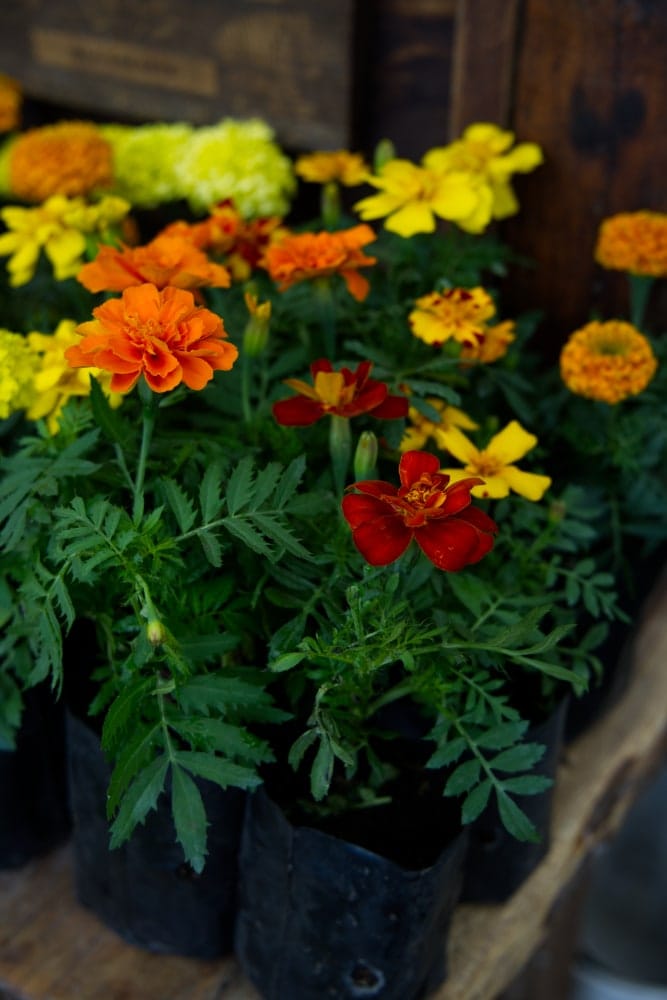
166	260
438	515
343	393
160	334
307	256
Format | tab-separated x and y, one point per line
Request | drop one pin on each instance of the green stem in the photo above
246	373
327	316
340	449
149	414
640	289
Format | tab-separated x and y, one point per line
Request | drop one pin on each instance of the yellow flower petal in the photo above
527	484
414	218
511	443
458	445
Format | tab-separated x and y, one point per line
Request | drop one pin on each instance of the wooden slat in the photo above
53	949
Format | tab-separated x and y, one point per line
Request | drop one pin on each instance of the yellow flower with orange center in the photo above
608	361
348	169
495	464
424	427
635	242
308	256
460	314
69	158
55	382
10	103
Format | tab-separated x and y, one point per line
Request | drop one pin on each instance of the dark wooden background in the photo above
587	79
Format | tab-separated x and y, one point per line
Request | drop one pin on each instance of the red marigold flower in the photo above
344	393
439	516
306	256
161	335
166	260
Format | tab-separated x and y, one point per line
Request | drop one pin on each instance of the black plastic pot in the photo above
34	816
320	917
497	864
144	890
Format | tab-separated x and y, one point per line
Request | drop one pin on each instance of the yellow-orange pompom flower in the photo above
160	334
70	158
307	256
460	314
10	103
607	361
635	242
348	169
166	260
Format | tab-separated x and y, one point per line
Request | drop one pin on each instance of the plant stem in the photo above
327	316
340	449
149	414
640	288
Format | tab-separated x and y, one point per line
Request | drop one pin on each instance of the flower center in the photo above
485	464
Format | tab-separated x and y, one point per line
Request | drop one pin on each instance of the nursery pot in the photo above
497	863
321	917
34	816
143	889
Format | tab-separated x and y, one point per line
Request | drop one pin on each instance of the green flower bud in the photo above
366	456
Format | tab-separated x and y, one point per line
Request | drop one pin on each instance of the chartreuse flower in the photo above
69	158
487	153
411	197
238	160
55	382
59	228
495	463
607	361
145	158
17	367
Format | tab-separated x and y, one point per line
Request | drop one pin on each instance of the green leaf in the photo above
286	662
180	504
463	778
210	498
129	762
139	799
246	534
109	421
476	801
519	758
515	820
527	784
289	482
222	772
123	712
211	546
448	753
299	747
201	694
189	815
265	483
240	491
322	770
501	736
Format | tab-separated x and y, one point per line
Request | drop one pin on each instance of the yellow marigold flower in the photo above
145	158
495	463
11	99
410	197
348	169
238	160
69	158
460	314
635	242
57	227
17	367
607	361
423	428
484	151
493	344
55	382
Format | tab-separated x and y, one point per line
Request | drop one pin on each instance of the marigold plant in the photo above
607	361
340	165
309	256
635	242
69	158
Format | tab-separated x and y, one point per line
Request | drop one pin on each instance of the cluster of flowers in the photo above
233	287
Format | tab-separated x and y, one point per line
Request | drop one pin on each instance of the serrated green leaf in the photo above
265	483
289	482
240	487
527	784
210	492
189	815
475	802
180	504
463	778
138	800
133	757
519	758
322	770
122	712
222	772
448	753
248	535
201	694
501	736
286	662
515	820
572	590
211	546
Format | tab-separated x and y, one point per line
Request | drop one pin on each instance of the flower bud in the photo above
256	333
330	203
366	456
384	152
156	633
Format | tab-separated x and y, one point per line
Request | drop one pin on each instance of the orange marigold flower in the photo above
10	103
225	232
635	242
70	158
458	313
348	169
166	260
160	334
306	256
607	361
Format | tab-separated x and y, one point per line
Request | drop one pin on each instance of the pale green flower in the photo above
238	160
17	368
145	158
